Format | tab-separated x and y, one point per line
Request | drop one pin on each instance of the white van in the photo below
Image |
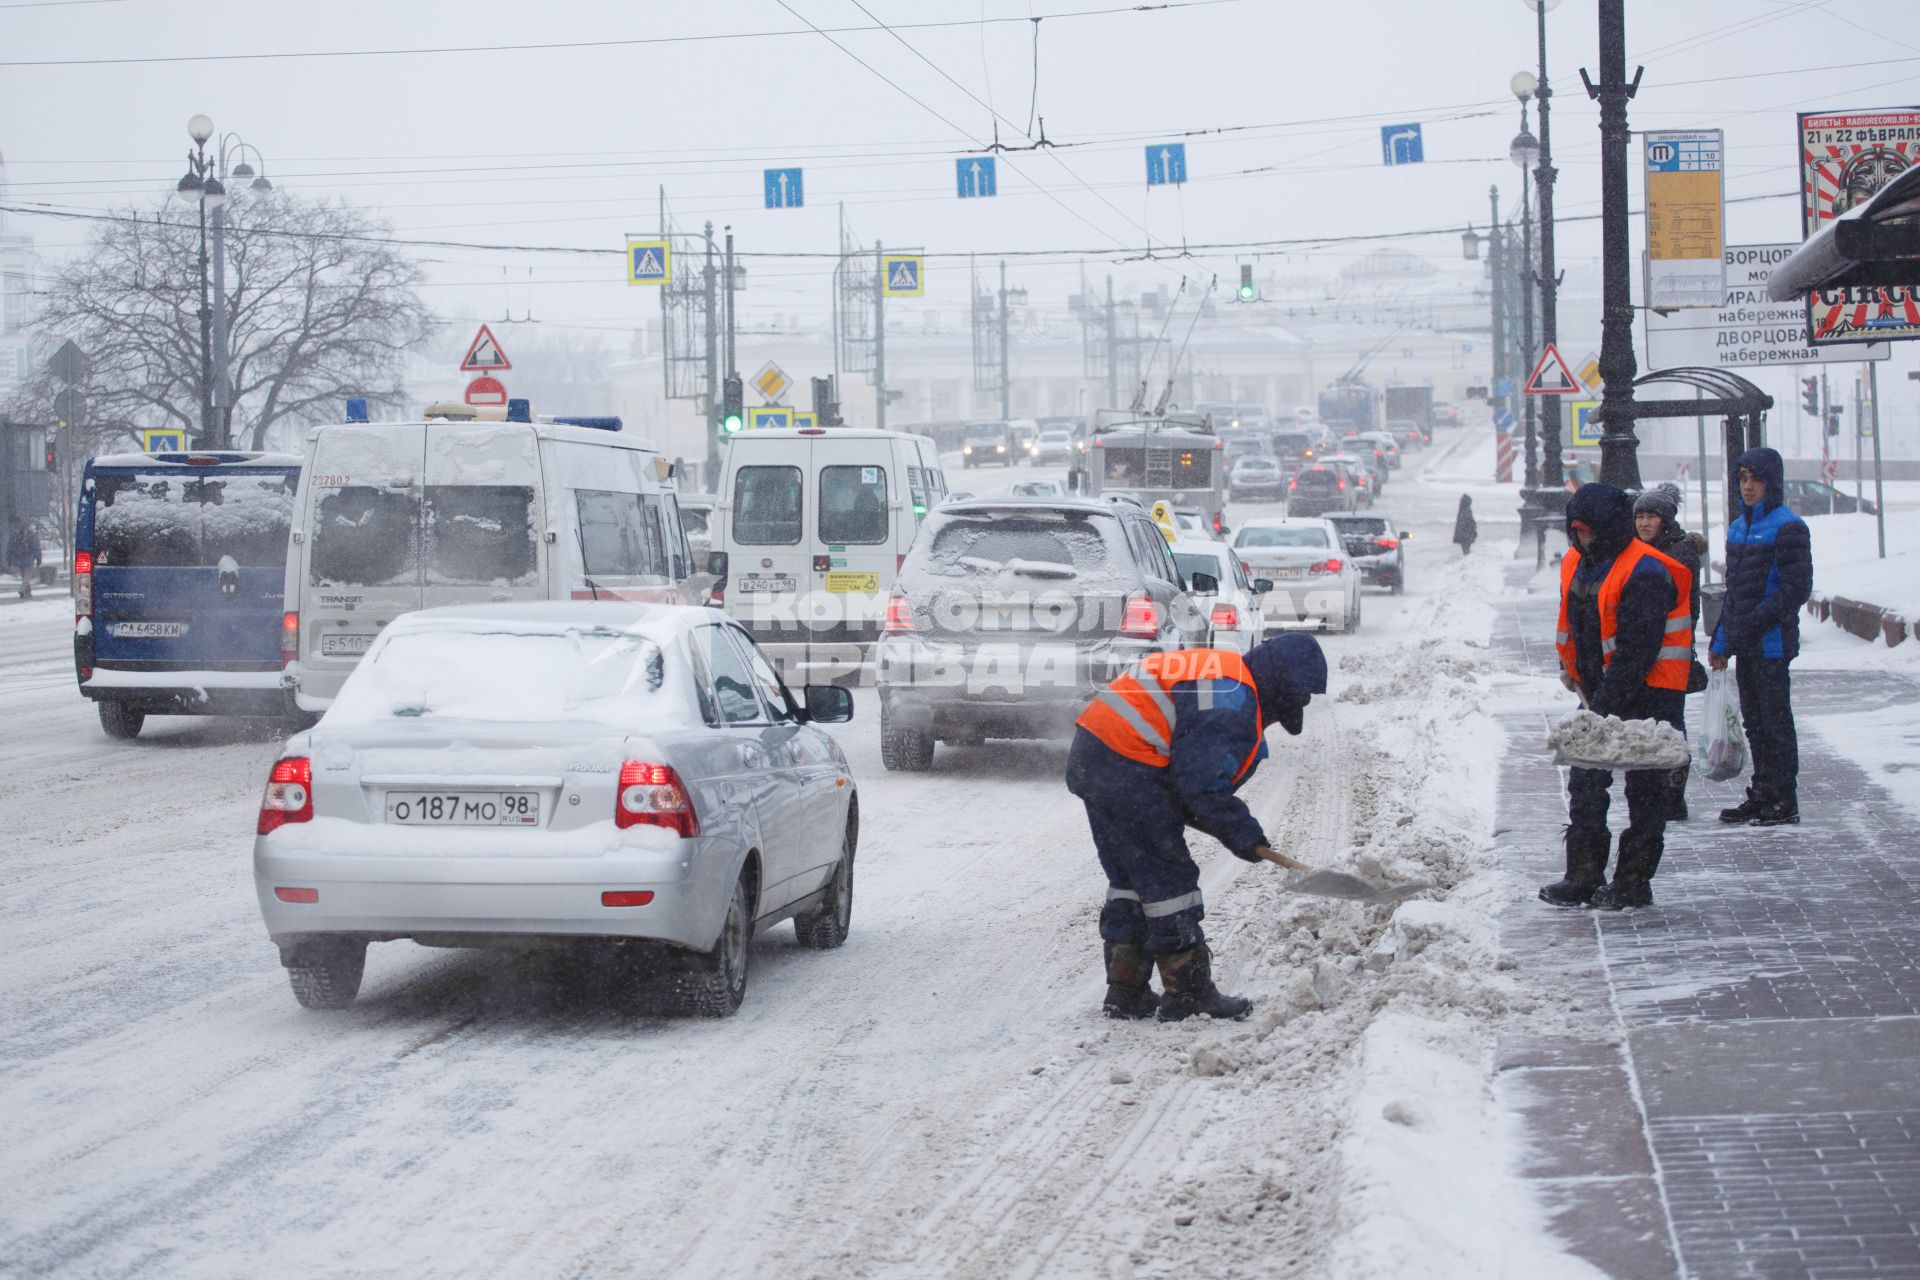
812	525
397	516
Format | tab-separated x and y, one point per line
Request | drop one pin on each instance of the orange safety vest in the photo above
1135	715
1674	663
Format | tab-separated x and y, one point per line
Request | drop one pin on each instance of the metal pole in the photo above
1494	398
1526	316
707	275
733	369
879	340
1859	481
1879	485
1826	441
1113	351
1706	511
1619	448
1552	474
207	429
1006	382
222	379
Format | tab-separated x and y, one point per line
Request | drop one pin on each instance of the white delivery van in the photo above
812	525
471	507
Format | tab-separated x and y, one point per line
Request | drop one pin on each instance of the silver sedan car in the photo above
555	775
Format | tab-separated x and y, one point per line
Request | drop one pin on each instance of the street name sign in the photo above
1748	329
975	176
785	189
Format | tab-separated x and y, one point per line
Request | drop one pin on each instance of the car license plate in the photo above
149	630
350	645
847	581
1281	575
765	584
464	808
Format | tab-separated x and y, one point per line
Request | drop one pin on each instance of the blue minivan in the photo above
180	563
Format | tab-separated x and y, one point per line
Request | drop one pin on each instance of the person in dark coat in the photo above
1465	530
23	554
1769	577
1163	748
1656	521
1619	666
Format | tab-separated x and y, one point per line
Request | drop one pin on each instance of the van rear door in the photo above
480	515
858	494
362	556
762	524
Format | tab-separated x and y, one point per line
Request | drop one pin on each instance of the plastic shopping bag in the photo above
1723	751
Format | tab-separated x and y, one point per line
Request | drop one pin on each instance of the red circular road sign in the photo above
485	390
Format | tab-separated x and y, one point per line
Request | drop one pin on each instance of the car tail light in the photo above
1225	615
1388	543
1342	484
822	563
82	583
626	897
651	795
289	638
289	796
1327	566
288	893
1246	568
1294	483
1142	618
899	615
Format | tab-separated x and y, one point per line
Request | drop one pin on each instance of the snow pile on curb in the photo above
1583	738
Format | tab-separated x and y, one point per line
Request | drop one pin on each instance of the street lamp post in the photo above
1525	152
200	185
230	148
205	183
1619	448
1552	474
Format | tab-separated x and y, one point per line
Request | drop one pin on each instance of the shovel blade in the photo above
1323	883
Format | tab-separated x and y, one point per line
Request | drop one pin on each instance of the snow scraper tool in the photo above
1324	883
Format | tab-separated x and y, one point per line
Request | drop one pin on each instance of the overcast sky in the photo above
569	146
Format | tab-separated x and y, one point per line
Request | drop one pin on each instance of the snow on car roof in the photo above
238	458
661	622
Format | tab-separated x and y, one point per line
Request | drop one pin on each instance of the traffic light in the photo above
826	405
1833	420
733	404
1246	282
1810	396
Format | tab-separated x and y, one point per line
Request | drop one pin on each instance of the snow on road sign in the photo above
649	262
485	355
902	275
1550	376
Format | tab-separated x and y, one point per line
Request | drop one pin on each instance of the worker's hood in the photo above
1769	470
1288	670
1606	510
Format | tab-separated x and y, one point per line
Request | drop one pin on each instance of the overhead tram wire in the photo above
624	42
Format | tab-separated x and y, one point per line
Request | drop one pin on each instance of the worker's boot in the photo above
1188	977
1587	850
1633	875
1677	791
1128	972
1746	809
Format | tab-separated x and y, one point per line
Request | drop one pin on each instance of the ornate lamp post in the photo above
205	183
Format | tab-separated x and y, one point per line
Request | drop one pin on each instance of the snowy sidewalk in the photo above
1739	1091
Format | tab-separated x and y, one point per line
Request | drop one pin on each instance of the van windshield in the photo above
191	521
766	506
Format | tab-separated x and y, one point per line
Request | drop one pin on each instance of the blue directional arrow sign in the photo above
784	189
1166	164
975	176
1400	144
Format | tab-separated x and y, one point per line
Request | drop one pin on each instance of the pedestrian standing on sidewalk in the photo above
1769	577
1656	519
23	554
1163	748
1465	530
1626	643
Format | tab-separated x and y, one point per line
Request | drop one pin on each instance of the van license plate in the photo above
344	646
149	630
464	808
847	581
765	584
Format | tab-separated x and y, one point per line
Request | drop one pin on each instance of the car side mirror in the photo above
717	564
1204	584
1404	535
1262	585
829	704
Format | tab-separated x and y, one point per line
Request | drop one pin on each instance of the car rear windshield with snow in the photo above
600	674
1040	547
1319	476
456	535
853	505
365	537
1360	526
766	506
1305	535
181	520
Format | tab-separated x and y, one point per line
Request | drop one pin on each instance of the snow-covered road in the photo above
938	1097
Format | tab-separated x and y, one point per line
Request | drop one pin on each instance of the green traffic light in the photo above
730	426
1246	293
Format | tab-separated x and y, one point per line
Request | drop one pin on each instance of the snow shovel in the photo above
1325	883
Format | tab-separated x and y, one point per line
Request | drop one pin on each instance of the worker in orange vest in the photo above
1625	640
1163	748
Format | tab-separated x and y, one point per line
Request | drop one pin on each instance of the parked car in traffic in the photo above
1054	445
1314	581
1373	543
1234	617
1382	446
1256	478
1023	440
1818	498
1365	473
1408	432
1010	613
1323	485
624	777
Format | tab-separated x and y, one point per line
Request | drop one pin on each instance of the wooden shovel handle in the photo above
1278	859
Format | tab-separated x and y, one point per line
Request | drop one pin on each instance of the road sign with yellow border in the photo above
903	275
770	416
163	439
649	261
1585	430
808	419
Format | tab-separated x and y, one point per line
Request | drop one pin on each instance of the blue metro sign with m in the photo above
784	189
1400	144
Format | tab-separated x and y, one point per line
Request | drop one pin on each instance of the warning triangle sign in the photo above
485	355
1552	377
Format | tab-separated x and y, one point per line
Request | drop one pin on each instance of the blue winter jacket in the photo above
1769	570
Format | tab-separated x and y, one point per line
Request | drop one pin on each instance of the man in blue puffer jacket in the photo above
1769	577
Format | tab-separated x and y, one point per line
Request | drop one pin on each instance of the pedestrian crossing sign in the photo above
902	276
163	440
1585	430
649	262
761	418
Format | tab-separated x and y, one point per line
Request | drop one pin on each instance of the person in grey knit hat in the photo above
1656	520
